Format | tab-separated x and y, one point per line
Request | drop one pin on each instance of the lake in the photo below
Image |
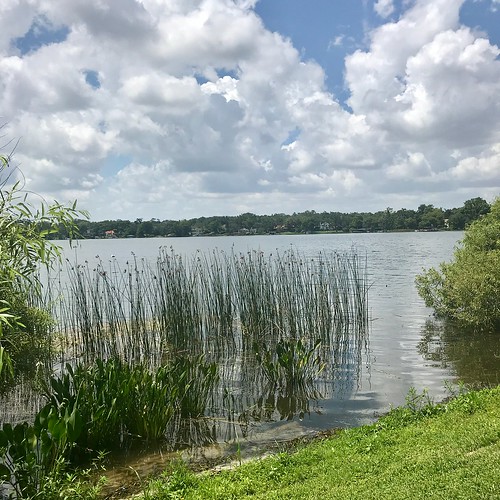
406	346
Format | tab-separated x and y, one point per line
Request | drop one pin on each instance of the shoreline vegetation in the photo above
425	218
147	349
420	450
467	288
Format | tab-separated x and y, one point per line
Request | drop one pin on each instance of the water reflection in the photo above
286	404
473	357
187	433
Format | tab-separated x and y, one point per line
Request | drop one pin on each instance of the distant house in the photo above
246	231
110	234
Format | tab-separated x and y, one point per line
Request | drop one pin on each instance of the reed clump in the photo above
242	324
216	302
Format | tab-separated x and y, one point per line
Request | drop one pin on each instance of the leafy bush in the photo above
24	227
28	339
467	289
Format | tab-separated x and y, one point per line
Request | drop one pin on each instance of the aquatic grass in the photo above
96	393
228	310
290	369
152	403
214	274
212	302
178	301
253	289
305	297
119	401
109	312
115	401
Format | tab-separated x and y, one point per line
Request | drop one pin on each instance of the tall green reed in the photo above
230	308
211	302
194	380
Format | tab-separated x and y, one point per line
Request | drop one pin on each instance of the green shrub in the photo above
24	227
468	288
28	339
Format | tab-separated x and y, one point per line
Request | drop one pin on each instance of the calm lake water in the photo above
406	348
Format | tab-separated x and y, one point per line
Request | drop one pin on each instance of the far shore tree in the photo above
425	218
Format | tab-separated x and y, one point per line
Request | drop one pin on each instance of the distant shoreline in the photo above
284	233
426	218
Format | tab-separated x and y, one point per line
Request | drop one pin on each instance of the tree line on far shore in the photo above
425	218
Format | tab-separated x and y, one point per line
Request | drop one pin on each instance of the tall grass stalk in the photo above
230	309
211	302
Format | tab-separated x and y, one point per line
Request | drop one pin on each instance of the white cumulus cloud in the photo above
384	8
195	108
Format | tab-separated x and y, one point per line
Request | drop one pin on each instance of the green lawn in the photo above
448	451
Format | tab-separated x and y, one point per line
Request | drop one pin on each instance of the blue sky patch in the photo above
324	33
92	78
292	136
41	33
221	73
485	20
114	163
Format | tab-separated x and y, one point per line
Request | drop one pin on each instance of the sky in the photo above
174	109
